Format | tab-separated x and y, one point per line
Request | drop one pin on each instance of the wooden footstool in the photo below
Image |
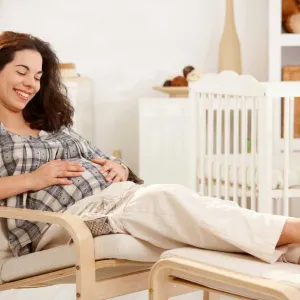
218	273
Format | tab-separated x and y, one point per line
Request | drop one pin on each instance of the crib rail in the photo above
228	124
234	129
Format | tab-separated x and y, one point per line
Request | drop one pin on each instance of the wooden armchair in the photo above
97	265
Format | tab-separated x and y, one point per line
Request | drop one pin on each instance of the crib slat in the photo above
210	143
287	102
227	145
236	130
244	151
202	130
253	152
218	146
265	150
195	127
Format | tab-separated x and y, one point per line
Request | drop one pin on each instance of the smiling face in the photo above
20	80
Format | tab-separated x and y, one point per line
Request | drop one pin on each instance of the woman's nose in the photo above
29	81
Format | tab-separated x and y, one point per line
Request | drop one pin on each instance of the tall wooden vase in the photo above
229	48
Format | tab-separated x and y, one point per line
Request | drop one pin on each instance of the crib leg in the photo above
210	296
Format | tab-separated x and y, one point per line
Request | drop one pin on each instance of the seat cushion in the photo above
241	263
114	246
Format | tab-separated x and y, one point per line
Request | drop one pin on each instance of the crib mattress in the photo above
277	170
241	263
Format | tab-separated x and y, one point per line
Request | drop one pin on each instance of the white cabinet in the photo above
166	141
80	93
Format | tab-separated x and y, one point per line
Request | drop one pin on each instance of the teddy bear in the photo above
190	74
291	15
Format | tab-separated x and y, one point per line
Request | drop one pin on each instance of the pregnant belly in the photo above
59	197
91	180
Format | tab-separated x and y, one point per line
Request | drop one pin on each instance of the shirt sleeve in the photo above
90	151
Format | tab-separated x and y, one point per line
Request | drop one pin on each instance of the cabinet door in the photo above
165	141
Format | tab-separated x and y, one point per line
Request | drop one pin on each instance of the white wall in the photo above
127	46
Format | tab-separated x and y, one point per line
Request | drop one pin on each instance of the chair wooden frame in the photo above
87	287
176	270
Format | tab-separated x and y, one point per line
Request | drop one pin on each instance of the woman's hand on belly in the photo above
54	172
112	170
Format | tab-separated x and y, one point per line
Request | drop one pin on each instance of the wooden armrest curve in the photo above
73	224
81	235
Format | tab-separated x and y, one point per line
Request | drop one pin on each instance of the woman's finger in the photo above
118	178
74	168
111	175
107	167
67	174
100	160
63	181
71	163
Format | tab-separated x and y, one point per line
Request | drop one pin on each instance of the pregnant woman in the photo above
45	165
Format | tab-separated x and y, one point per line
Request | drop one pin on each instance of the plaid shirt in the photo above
19	155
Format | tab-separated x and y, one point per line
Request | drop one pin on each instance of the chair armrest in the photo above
81	235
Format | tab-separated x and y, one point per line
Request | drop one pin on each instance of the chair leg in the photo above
158	283
210	296
84	294
85	288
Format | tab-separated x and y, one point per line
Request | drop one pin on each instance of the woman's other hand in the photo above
55	172
115	171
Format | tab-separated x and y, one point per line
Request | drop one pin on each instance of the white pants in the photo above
172	216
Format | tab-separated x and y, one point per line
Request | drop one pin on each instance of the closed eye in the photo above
23	74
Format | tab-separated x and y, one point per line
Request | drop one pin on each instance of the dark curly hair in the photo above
50	108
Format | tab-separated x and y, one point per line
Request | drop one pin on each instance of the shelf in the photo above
290	39
176	92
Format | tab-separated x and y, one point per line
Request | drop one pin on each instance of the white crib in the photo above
231	112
